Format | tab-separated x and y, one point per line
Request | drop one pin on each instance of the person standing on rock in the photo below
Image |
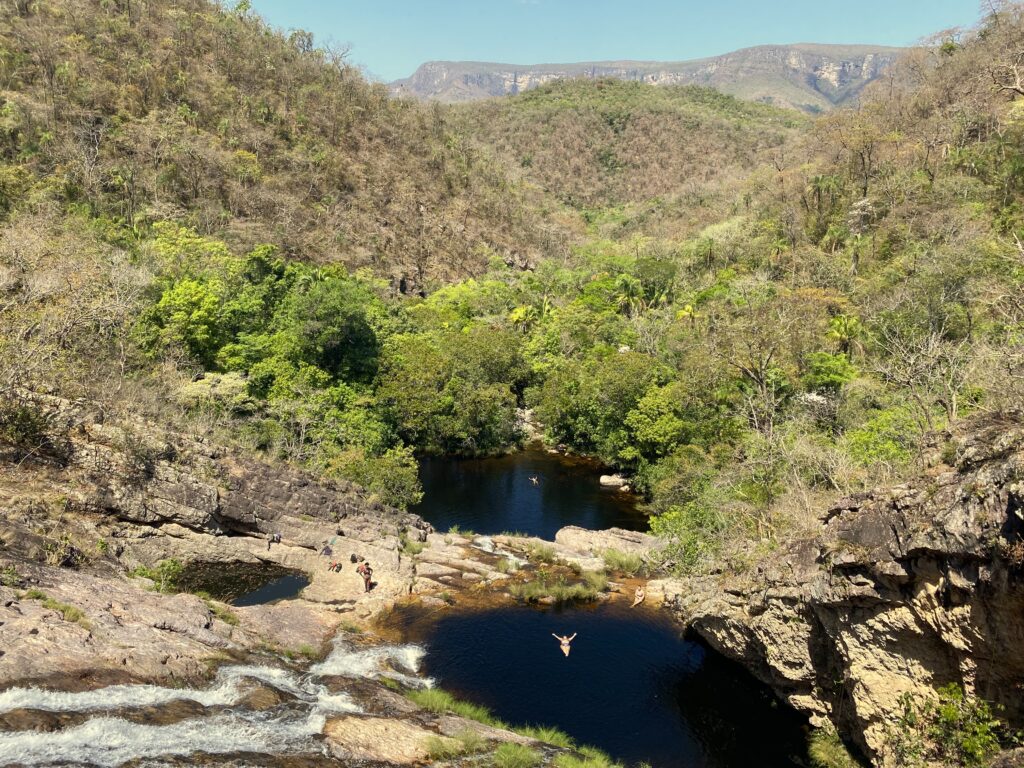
563	642
366	572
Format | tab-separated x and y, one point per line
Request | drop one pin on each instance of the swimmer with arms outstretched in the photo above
563	642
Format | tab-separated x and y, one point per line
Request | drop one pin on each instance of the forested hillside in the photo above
131	113
603	147
750	312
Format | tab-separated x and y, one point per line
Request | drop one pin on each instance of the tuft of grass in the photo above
9	577
447	748
506	566
558	590
471	741
827	750
222	612
511	755
442	748
547	734
596	580
410	547
588	757
439	701
542	553
627	563
456	530
67	612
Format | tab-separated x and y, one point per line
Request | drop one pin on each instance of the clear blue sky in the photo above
390	38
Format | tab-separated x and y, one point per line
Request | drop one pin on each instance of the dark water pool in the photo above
243	583
631	685
279	589
495	495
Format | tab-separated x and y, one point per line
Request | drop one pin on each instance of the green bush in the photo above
950	728
165	576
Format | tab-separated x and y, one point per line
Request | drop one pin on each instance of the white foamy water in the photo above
398	662
111	741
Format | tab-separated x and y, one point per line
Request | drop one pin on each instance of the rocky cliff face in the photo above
807	77
124	494
905	590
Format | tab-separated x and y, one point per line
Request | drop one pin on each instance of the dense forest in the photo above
225	227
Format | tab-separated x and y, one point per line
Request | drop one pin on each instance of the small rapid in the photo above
106	739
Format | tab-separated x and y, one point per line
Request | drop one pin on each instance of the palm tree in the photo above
629	294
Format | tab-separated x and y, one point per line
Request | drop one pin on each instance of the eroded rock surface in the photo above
906	589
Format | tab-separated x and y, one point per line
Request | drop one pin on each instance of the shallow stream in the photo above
147	724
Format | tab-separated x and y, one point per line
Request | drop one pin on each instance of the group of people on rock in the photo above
363	568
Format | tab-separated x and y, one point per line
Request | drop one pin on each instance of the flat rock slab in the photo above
378	739
596	542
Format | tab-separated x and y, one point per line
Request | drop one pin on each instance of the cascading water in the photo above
293	727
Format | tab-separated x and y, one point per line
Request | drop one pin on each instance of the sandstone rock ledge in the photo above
905	589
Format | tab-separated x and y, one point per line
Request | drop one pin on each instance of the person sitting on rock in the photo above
563	642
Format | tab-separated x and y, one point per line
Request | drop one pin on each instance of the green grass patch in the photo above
827	750
506	566
394	685
410	547
463	743
541	553
558	589
587	757
596	580
164	576
67	612
547	734
627	563
510	755
222	612
439	701
9	577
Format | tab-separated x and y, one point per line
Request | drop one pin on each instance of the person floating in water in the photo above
563	642
638	596
535	480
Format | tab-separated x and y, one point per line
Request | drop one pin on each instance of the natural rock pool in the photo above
499	494
630	686
244	584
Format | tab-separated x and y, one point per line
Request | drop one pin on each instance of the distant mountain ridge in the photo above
809	77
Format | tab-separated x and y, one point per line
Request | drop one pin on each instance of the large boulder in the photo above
590	542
